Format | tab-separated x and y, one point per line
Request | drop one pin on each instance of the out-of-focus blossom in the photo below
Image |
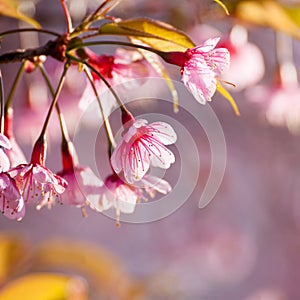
124	67
246	60
200	67
38	184
143	145
268	293
83	184
15	154
123	197
280	105
11	202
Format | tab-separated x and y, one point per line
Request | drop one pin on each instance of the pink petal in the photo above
163	132
207	46
201	83
156	183
4	142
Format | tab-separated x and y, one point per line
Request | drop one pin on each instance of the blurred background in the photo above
245	244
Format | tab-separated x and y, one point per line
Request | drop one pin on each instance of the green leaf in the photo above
228	97
9	8
267	13
158	35
45	286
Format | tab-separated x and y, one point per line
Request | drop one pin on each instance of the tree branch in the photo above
56	49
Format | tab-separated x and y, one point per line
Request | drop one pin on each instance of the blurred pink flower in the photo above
11	202
200	66
125	67
246	60
38	184
123	197
83	184
4	160
280	105
143	145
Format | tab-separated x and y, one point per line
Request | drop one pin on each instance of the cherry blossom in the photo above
143	145
11	202
200	67
83	184
124	197
38	184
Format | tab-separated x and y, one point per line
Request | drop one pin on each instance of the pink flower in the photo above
246	60
83	184
121	68
143	145
38	184
200	66
4	160
280	104
123	197
11	201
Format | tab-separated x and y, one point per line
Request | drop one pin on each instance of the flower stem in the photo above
109	134
119	43
120	102
69	155
8	102
64	131
55	98
67	15
29	29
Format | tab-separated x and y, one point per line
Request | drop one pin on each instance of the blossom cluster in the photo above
142	145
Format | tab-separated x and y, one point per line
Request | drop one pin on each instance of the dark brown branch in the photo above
55	49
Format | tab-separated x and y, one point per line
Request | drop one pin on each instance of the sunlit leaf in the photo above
156	34
45	286
267	13
12	254
9	8
101	269
157	65
294	13
223	6
228	97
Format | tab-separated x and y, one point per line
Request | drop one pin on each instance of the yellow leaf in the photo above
9	8
158	35
12	254
101	269
228	97
267	13
223	6
45	286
